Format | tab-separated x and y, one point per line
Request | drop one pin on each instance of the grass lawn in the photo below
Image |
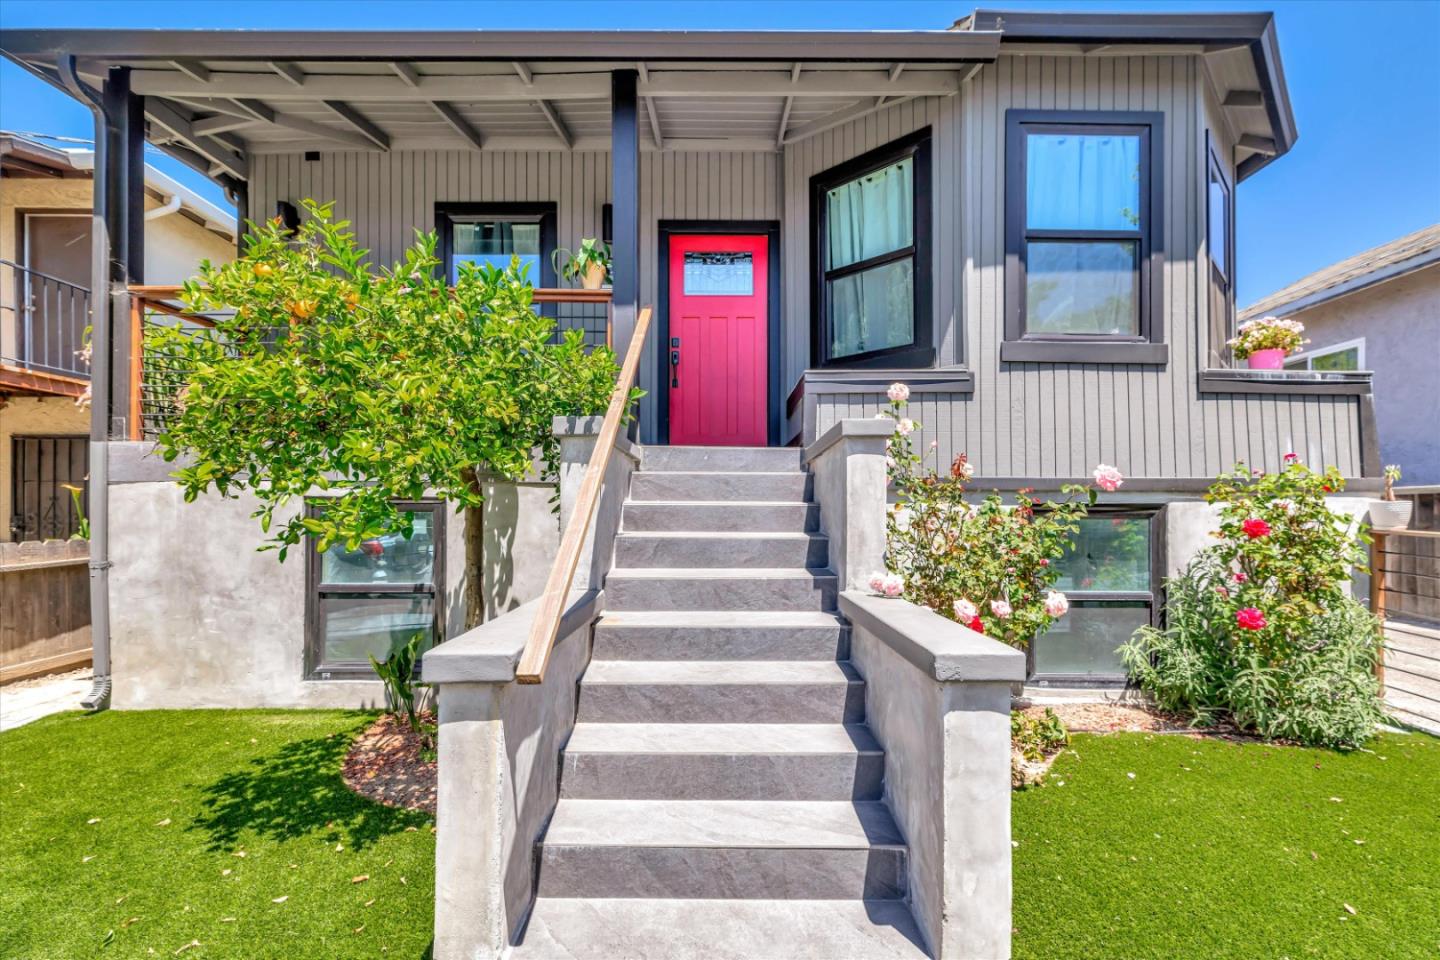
135	834
1170	847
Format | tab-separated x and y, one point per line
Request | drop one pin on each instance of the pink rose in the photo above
905	426
965	611
1250	618
877	582
1292	458
1255	528
894	585
1108	478
1044	562
1056	604
898	393
1001	609
1240	578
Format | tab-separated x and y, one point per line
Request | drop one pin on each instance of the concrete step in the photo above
567	929
710	691
722	849
717	516
688	459
720	588
720	635
790	485
727	549
722	761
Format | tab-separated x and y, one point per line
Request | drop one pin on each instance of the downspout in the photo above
99	696
164	210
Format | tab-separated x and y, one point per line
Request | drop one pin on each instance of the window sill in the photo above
1244	380
1084	351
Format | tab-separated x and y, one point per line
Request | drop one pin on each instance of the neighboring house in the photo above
45	224
1379	311
1028	218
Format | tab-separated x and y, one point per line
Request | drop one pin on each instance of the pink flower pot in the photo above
1272	359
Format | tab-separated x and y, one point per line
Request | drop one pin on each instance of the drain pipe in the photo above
99	696
170	206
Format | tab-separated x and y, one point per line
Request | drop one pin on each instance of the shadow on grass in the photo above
296	791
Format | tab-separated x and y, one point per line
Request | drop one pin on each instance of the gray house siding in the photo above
1023	419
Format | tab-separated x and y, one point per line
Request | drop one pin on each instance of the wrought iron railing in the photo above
43	320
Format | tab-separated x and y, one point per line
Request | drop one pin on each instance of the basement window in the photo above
369	601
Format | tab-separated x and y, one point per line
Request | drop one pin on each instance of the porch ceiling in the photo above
213	98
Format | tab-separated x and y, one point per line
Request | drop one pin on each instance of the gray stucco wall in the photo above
1399	321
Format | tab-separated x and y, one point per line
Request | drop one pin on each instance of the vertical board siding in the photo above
388	196
1030	419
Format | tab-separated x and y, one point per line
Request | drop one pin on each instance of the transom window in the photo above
872	258
1082	239
373	599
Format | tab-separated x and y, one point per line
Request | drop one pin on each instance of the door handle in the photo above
674	368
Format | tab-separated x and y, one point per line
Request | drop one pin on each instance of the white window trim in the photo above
1302	360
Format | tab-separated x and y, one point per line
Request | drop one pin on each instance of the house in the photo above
45	223
1378	310
704	728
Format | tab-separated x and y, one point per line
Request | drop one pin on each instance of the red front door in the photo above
718	349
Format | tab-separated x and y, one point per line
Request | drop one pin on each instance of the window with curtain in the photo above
872	299
493	233
1108	574
1219	239
373	599
1082	212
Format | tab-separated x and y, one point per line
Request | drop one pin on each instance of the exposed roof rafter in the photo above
261	112
181	127
895	72
459	124
192	69
406	72
289	71
655	132
556	123
523	72
221	123
1244	98
361	124
861	108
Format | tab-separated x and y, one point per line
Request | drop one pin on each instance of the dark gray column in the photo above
625	195
120	201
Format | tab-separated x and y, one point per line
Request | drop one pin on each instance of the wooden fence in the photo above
45	596
1403	589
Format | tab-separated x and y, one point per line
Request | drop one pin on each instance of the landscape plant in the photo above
984	563
1260	628
325	377
397	673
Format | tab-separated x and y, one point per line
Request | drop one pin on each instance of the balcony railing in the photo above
42	322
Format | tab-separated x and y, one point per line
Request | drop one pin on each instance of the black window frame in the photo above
1155	597
316	668
448	214
1147	345
1220	284
920	352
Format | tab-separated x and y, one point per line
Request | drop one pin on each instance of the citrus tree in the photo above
325	376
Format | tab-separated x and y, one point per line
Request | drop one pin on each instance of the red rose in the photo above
976	625
1241	578
1250	618
1255	527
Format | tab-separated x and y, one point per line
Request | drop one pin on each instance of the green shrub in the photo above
1037	736
1259	628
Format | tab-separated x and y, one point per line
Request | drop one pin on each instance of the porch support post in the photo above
120	195
625	197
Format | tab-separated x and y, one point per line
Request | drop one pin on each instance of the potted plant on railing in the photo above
590	264
1265	343
1389	513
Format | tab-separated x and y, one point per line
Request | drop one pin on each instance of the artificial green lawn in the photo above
1221	850
203	819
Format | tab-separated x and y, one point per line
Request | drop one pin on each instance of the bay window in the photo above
871	252
1083	237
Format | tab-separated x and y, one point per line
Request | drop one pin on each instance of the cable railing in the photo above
546	625
42	322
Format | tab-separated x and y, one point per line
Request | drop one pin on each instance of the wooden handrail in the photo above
557	587
542	294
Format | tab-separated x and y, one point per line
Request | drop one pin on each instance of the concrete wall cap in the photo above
590	427
874	428
490	652
940	647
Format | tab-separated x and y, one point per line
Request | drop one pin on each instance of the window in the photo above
41	471
1108	574
871	258
1220	241
493	233
1349	355
372	600
1083	237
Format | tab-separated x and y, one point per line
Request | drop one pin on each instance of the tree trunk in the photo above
474	556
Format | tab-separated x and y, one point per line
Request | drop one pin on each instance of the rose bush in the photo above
986	564
1260	628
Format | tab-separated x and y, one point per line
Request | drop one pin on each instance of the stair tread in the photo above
720	534
792	739
722	573
794	472
740	619
729	672
576	929
723	824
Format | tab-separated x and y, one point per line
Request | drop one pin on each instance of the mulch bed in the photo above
384	765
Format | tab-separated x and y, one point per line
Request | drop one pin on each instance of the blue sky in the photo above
1364	79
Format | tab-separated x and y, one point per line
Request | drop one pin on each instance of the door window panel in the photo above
719	274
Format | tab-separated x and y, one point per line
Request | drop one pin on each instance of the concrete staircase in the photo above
721	795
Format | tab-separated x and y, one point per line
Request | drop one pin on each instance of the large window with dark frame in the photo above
871	258
1083	236
1220	243
493	233
373	599
1108	573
